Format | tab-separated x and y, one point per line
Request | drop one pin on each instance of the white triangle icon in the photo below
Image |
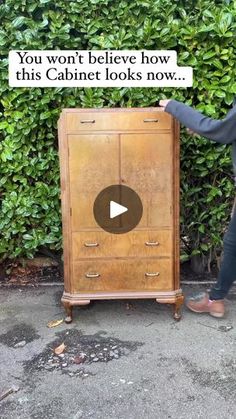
116	209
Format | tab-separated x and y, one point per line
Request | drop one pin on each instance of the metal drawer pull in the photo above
87	121
150	120
152	243
90	275
91	244
152	273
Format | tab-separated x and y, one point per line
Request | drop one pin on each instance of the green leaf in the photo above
208	55
207	13
19	21
204	247
201	228
3	125
226	79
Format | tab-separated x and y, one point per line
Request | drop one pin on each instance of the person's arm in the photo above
222	131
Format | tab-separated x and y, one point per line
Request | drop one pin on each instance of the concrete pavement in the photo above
121	360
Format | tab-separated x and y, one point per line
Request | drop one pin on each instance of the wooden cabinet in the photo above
138	148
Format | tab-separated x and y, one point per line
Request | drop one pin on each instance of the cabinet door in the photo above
93	165
147	167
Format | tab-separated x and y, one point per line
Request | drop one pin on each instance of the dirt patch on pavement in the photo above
80	350
19	335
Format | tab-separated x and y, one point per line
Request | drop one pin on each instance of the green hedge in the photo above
203	34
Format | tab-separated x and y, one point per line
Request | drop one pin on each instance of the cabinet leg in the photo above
68	308
177	307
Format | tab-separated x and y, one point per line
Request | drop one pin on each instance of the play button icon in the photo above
117	209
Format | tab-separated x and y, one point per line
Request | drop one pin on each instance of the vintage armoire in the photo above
137	147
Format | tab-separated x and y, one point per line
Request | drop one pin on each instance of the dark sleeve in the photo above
222	131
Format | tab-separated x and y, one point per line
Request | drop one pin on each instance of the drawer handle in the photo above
91	244
152	243
150	120
91	275
152	273
87	121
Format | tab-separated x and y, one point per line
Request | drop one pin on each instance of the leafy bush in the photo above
203	34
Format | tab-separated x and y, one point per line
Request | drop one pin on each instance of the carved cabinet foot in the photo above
177	313
177	308
68	309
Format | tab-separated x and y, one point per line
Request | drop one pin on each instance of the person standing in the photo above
223	132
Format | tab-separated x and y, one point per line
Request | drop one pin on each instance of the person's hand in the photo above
191	132
163	103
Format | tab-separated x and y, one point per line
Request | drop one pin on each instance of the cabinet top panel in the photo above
149	109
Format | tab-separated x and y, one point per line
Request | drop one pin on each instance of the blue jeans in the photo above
227	274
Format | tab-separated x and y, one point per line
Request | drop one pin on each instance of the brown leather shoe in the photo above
202	304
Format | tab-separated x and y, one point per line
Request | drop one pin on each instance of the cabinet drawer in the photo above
133	244
119	275
122	121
